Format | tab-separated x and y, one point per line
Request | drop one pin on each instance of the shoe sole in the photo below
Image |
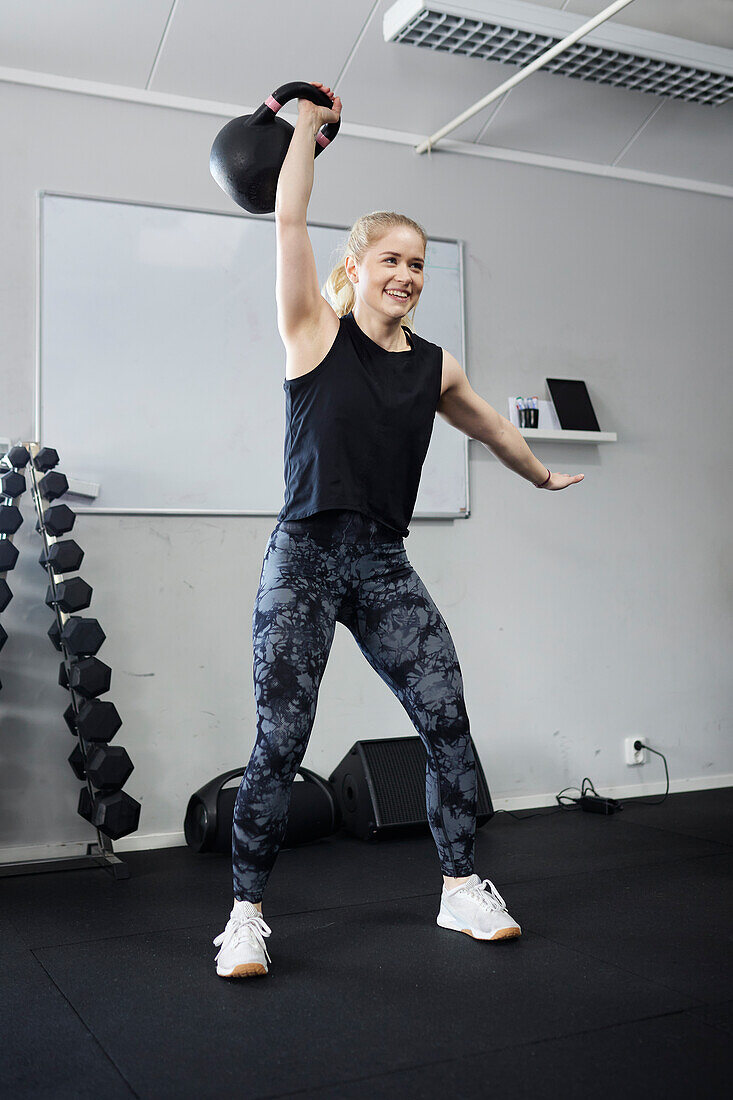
500	934
244	970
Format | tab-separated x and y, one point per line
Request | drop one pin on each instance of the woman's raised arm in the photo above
297	291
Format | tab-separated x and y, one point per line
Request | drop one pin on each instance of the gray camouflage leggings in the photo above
340	565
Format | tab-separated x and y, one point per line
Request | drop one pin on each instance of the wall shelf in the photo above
549	435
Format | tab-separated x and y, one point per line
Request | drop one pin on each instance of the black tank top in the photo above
358	426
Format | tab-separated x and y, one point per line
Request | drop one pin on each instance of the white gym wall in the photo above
580	617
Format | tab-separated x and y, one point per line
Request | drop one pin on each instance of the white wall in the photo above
579	617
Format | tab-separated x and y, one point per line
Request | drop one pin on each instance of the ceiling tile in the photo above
400	87
563	117
709	21
114	42
233	52
686	139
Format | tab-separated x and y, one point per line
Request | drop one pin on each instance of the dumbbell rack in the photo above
112	812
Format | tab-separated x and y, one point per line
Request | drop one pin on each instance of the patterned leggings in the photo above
343	566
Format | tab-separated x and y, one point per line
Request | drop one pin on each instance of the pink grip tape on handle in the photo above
274	106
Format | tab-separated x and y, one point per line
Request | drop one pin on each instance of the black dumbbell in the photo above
58	519
8	555
5	594
10	519
90	677
62	557
18	457
46	459
108	766
115	814
82	637
97	720
53	485
3	637
71	595
54	633
84	808
13	484
76	760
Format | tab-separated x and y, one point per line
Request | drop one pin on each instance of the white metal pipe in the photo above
538	62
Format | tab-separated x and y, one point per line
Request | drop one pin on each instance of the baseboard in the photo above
149	841
631	790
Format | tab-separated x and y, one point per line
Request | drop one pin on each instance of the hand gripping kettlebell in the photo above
249	151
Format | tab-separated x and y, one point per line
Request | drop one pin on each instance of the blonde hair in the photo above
365	233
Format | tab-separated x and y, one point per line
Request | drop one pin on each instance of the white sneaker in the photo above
242	943
479	912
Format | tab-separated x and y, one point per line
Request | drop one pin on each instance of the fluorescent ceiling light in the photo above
515	33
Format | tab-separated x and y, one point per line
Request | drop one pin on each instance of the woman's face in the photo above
394	263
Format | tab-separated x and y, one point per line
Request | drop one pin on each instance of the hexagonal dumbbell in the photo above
10	519
46	459
58	519
82	637
53	485
71	595
84	809
13	484
76	760
62	557
97	720
108	767
18	457
54	633
8	555
115	814
3	637
90	677
5	594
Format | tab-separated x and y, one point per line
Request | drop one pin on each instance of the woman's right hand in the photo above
320	115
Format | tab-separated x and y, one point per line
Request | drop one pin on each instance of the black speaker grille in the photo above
397	768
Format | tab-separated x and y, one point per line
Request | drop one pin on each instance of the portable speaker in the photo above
380	788
313	813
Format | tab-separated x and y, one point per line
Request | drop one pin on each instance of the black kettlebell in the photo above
249	151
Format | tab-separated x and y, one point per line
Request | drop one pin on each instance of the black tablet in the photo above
572	404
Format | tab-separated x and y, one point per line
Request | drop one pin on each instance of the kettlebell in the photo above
249	151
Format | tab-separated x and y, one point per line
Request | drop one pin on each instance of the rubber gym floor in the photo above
621	984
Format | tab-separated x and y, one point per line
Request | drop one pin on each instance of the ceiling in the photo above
238	51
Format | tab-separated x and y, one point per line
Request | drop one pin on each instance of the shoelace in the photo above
240	927
490	899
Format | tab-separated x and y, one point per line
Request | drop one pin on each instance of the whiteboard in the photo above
160	365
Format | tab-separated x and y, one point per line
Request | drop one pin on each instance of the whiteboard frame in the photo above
43	192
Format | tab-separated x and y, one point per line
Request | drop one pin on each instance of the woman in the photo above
362	389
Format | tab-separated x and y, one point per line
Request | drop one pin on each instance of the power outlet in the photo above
632	755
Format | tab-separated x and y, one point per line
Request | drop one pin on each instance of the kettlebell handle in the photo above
299	89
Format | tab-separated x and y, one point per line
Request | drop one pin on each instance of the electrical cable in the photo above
574	803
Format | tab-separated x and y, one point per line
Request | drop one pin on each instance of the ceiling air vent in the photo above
516	33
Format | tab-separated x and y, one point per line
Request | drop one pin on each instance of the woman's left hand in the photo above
561	481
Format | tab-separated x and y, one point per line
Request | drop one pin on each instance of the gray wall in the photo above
579	617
